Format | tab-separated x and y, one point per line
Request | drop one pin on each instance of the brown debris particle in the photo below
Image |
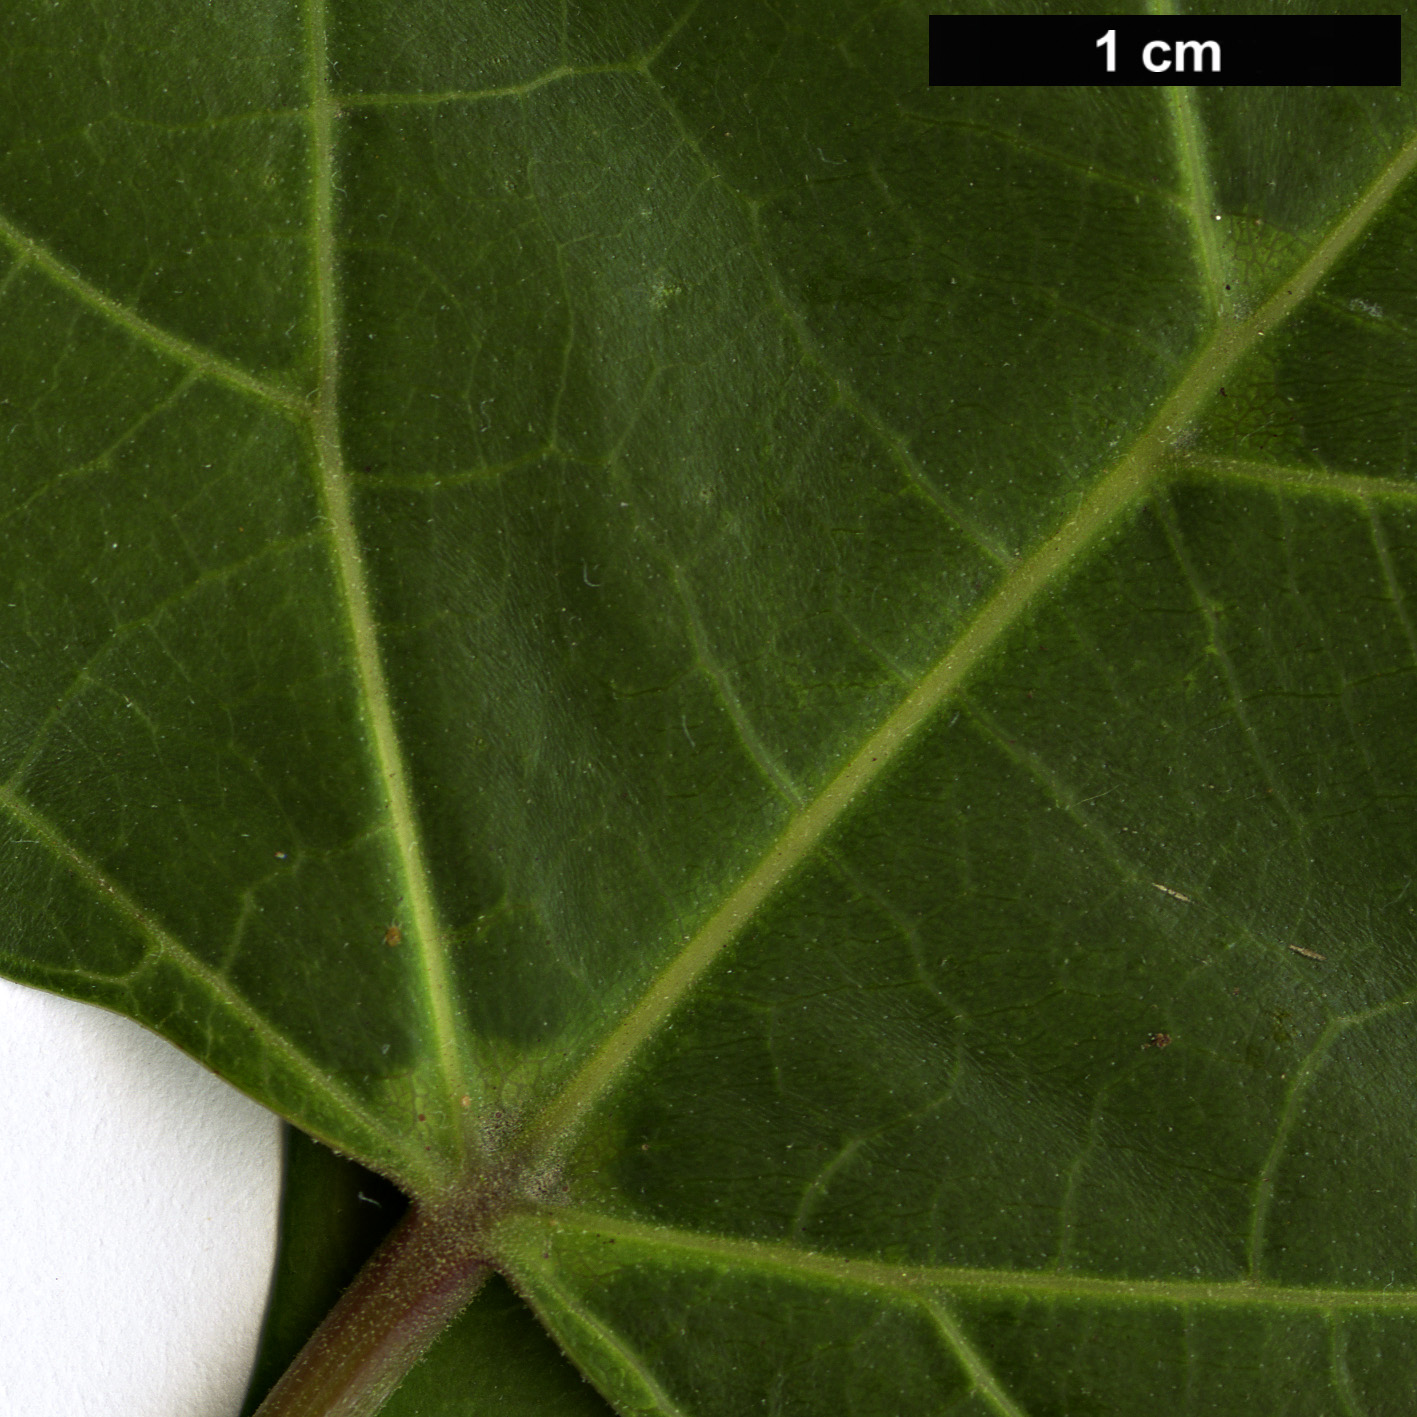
393	936
1157	1040
1308	954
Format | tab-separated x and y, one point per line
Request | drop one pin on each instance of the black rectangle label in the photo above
1166	49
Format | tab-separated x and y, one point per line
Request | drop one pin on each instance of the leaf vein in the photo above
211	365
429	940
219	991
1113	498
524	1235
971	1360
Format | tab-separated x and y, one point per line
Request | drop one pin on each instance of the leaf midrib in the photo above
429	940
1117	492
523	1240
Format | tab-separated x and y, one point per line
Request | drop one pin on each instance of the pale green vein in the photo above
1063	797
84	677
468	477
1378	534
1200	199
624	1356
1068	1205
1199	466
1029	144
103	458
429	100
1188	140
1338	1366
896	447
817	1187
208	364
727	696
1239	708
1299	1085
1304	1076
971	1360
428	941
1113	497
556	75
18	266
522	1239
219	989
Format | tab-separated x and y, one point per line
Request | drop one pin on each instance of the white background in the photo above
138	1202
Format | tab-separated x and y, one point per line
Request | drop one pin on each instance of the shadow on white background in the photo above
138	1200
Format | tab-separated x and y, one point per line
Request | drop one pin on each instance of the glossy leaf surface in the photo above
807	680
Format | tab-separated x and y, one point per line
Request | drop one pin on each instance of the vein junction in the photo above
1112	499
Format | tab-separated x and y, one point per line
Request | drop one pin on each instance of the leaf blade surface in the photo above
746	655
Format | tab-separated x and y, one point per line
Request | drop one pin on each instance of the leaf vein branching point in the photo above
1229	671
1113	497
529	86
1299	1086
429	941
82	677
430	100
768	767
212	366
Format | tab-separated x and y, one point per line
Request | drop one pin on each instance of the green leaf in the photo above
782	694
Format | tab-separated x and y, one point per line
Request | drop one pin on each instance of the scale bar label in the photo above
1166	49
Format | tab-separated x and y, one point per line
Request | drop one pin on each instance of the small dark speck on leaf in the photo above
1157	1040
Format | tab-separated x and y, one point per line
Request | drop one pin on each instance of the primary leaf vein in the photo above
1113	497
429	940
527	1235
